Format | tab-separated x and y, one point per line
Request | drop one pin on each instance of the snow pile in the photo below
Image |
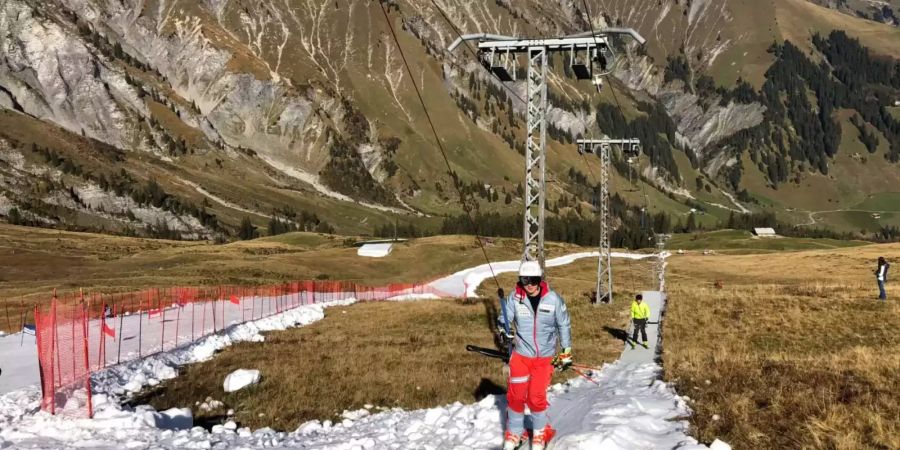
240	379
375	250
170	419
210	405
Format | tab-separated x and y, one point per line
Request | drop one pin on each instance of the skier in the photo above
540	318
640	313
881	277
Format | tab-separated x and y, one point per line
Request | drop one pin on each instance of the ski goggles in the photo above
532	280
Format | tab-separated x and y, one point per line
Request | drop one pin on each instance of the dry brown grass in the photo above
792	351
410	355
35	261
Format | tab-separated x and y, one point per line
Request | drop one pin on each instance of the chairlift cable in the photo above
619	107
437	139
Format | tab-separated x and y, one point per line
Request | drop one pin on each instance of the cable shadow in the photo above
491	313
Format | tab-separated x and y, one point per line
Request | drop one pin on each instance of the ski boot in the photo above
540	438
645	345
513	441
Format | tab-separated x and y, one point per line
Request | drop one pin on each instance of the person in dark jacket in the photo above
881	277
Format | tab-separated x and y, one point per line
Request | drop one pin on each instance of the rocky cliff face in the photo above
54	76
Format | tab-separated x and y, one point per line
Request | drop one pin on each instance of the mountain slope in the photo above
276	110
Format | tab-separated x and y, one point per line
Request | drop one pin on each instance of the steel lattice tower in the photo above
603	149
499	54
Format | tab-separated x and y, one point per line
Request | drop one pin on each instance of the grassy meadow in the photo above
779	343
34	262
792	351
389	354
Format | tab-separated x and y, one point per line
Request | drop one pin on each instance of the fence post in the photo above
140	325
213	306
193	308
74	367
177	324
38	325
100	337
87	375
162	335
54	350
119	346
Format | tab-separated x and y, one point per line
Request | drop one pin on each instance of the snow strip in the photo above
466	282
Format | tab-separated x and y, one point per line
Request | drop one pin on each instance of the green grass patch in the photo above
886	201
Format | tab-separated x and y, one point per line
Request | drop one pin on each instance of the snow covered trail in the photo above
631	408
18	359
466	282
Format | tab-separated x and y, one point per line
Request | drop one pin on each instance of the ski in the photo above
489	352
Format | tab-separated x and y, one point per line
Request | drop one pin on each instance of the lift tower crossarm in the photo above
499	54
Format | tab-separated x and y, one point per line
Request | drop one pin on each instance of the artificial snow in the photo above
719	445
379	250
466	282
240	379
18	360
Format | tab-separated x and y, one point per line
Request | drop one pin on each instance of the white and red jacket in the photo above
537	332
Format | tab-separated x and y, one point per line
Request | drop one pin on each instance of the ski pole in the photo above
584	367
583	375
506	328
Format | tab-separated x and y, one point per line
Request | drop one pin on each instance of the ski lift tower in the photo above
659	269
603	149
590	57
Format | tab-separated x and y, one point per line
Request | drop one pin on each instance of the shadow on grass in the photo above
619	334
488	387
490	315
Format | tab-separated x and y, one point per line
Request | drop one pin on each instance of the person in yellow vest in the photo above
640	313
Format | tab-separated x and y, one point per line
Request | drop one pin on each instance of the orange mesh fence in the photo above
80	333
63	358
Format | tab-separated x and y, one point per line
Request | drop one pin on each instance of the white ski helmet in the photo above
530	269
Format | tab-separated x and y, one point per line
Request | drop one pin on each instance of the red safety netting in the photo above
63	359
80	333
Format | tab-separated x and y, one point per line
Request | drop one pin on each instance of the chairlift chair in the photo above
499	65
581	68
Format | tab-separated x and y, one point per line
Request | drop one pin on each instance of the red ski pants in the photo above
528	381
